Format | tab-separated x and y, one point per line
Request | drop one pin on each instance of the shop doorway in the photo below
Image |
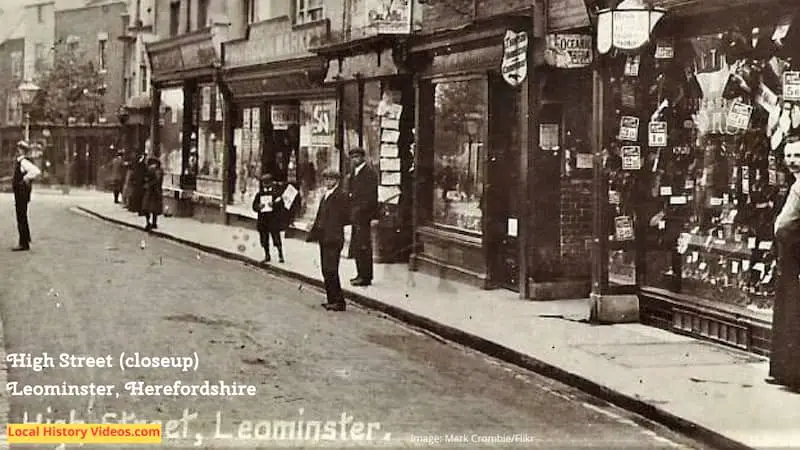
502	197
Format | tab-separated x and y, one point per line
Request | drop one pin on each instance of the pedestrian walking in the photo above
117	174
328	231
127	183
784	366
138	173
153	200
271	212
24	173
363	191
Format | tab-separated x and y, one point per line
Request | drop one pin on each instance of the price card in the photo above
666	190
623	228
678	200
657	134
791	85
688	184
765	245
734	266
664	50
632	65
751	243
716	201
613	197
629	128
631	157
695	256
739	116
746	265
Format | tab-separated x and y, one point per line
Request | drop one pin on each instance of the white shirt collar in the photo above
360	166
20	158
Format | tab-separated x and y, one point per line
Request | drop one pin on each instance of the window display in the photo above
696	167
171	124
318	153
209	143
459	154
247	141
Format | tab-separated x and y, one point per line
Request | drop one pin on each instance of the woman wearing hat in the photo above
153	201
269	206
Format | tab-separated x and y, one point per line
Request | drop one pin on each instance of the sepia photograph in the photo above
270	224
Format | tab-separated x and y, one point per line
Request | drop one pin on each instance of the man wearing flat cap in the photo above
363	189
24	174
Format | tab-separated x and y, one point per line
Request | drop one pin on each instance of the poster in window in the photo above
631	157
390	164
283	116
629	128
549	136
390	178
323	122
657	134
739	116
791	85
623	228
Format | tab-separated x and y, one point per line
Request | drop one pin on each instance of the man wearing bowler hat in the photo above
363	188
24	174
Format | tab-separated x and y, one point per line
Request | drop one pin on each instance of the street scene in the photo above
416	223
92	290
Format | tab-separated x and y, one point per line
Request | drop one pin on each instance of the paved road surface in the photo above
88	288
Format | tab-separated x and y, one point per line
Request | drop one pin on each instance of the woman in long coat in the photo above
139	171
153	200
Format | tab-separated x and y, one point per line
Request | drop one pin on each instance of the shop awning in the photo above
276	80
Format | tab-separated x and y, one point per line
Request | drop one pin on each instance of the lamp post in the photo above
625	27
27	94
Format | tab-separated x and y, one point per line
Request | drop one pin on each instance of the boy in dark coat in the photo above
138	175
328	231
269	206
153	200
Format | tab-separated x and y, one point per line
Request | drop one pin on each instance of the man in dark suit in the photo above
328	231
24	174
363	187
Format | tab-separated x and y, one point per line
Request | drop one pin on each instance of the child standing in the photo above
269	206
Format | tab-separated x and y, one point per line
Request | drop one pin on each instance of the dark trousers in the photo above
22	223
266	234
785	355
329	260
361	250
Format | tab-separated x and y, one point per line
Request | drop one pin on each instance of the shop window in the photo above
102	47
459	154
171	122
309	11
317	153
247	142
209	145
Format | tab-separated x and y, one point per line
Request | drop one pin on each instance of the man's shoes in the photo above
334	306
360	282
148	227
354	279
21	248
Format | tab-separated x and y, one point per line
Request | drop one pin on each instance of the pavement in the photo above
91	288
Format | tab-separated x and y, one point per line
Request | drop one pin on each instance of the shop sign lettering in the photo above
569	51
166	61
282	116
199	54
270	41
515	57
631	29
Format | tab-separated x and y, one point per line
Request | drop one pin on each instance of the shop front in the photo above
692	129
469	167
375	92
187	122
284	121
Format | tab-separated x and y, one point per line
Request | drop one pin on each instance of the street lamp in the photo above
626	27
27	94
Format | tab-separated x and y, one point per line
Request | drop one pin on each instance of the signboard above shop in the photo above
388	16
568	51
183	53
276	40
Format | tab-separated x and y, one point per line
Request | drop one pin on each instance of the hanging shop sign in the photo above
791	86
389	16
568	51
515	57
282	116
630	29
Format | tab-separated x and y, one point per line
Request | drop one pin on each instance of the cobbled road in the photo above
88	288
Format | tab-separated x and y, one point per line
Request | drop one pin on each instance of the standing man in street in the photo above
363	187
24	174
117	174
328	231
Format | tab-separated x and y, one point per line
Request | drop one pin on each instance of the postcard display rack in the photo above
390	167
699	180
